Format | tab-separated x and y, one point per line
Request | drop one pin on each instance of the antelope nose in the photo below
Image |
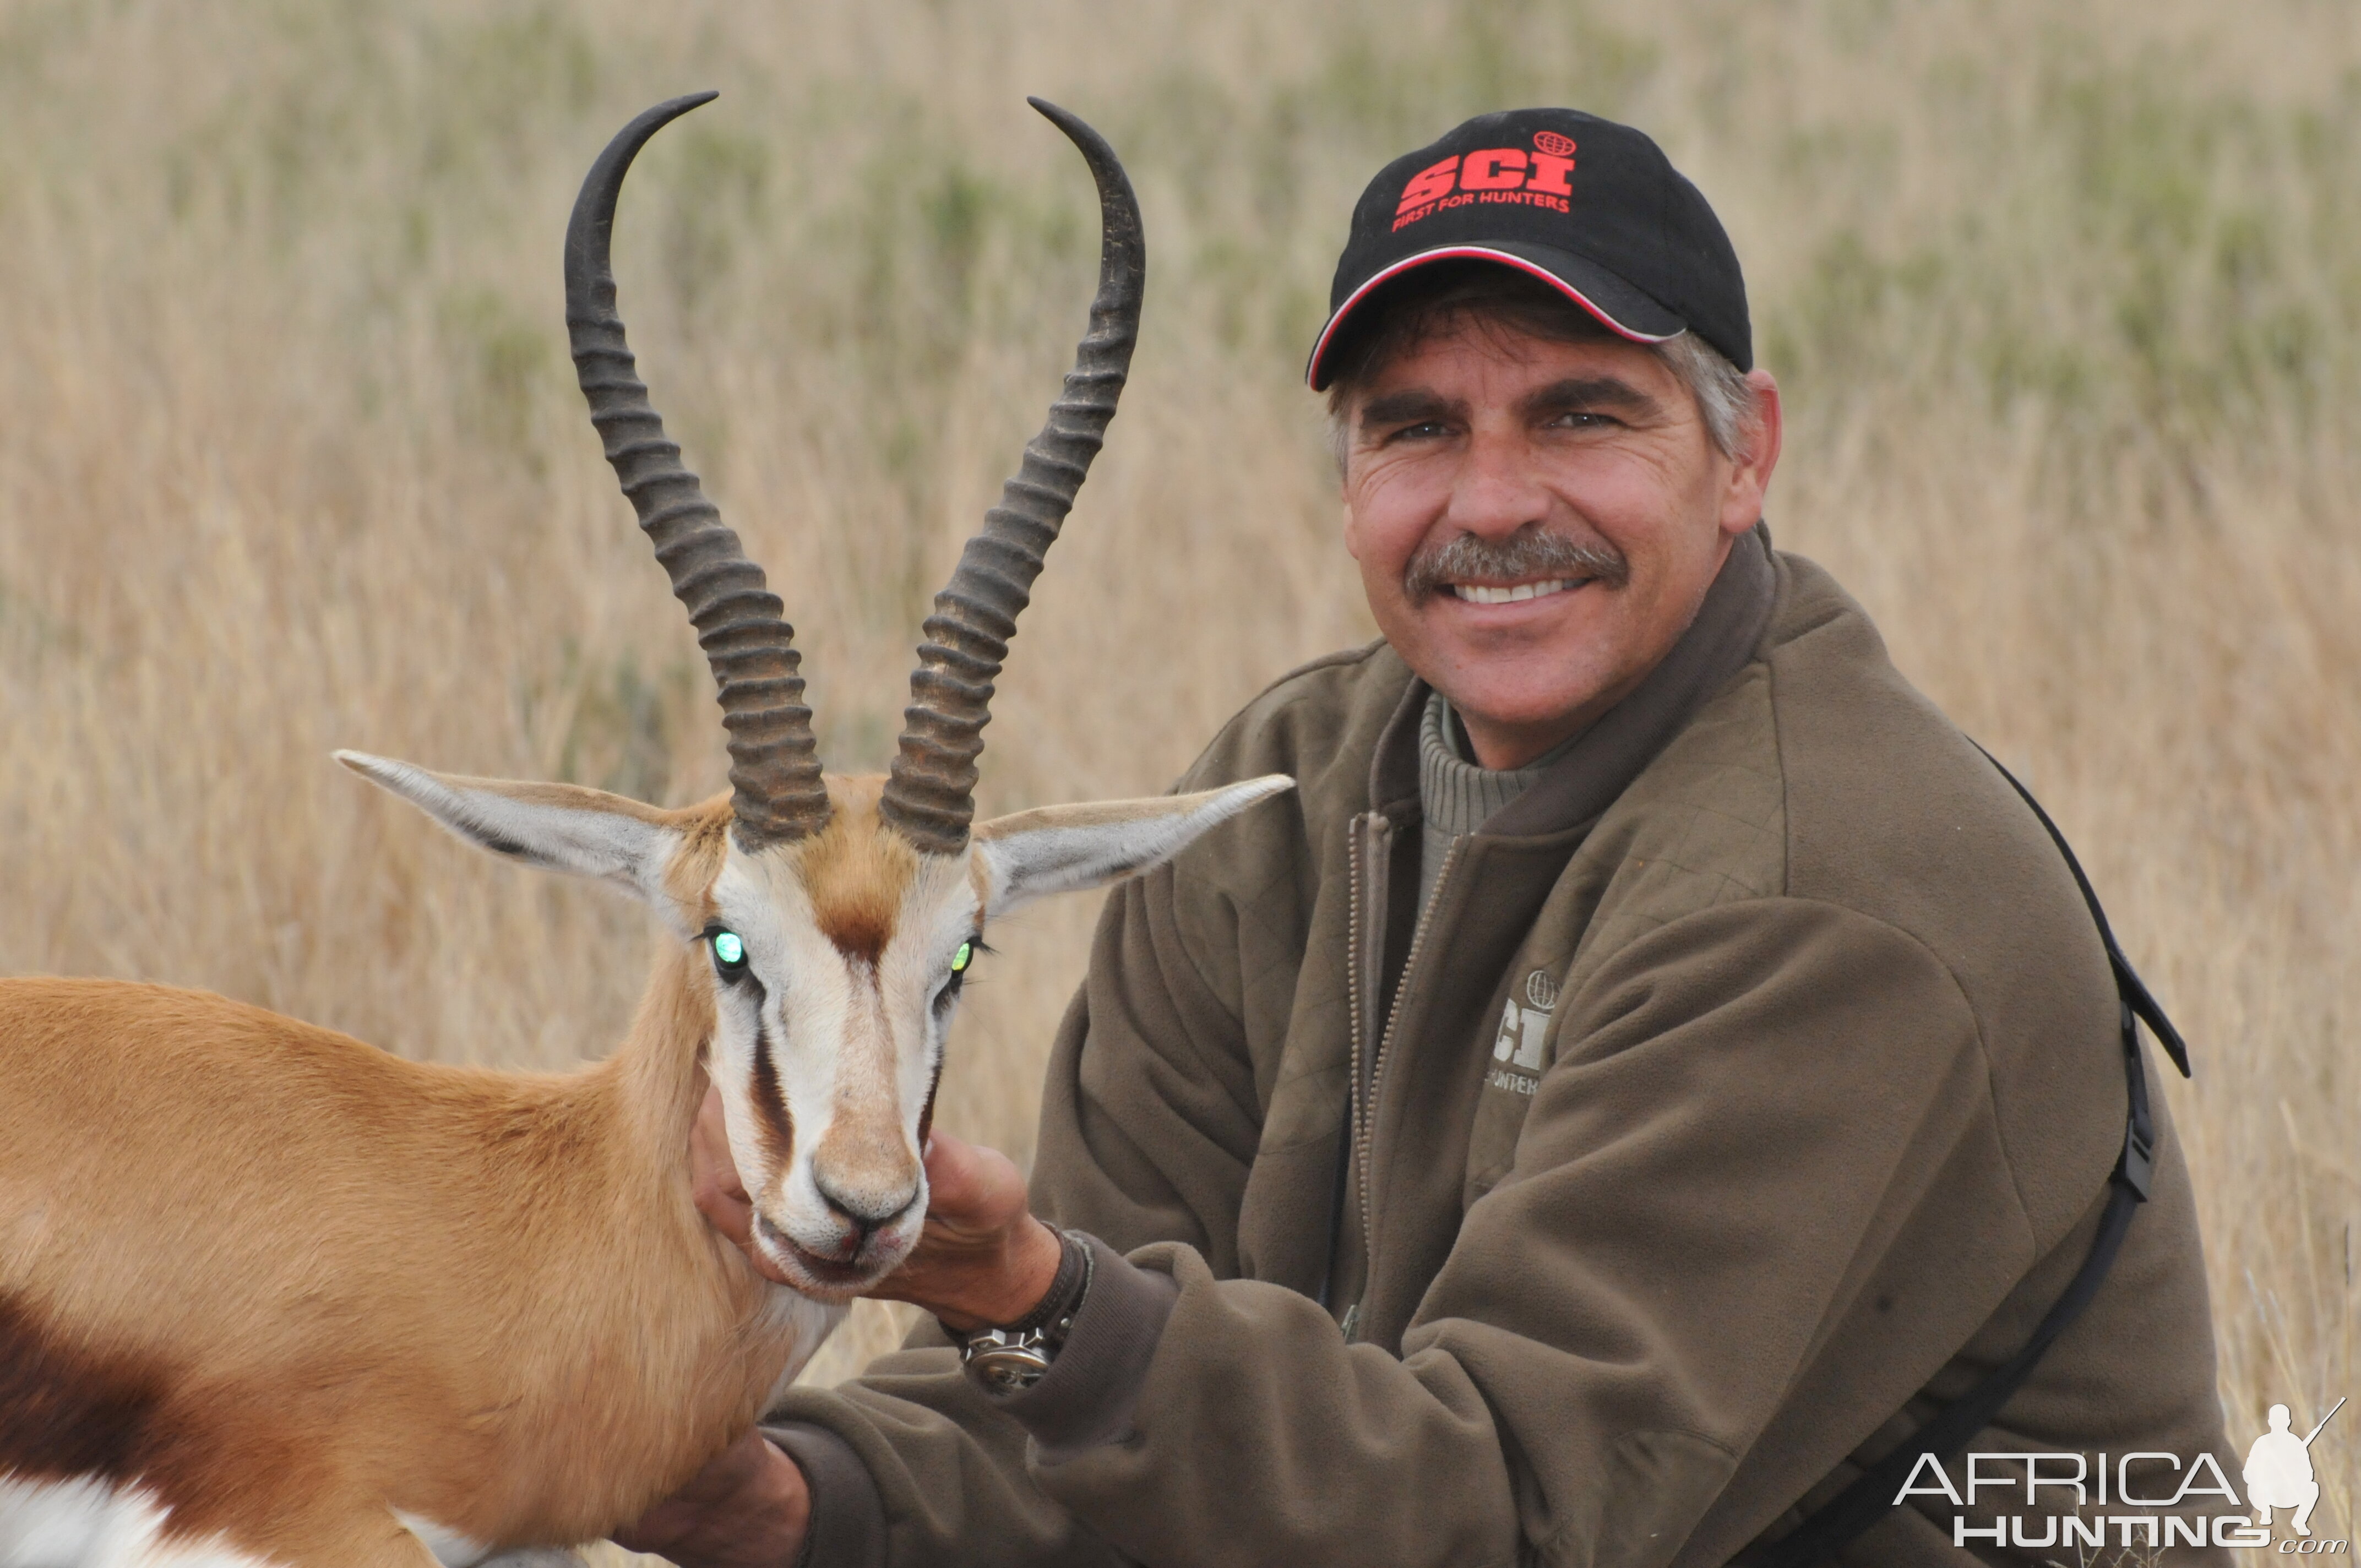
865	1208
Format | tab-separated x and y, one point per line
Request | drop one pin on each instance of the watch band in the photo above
1014	1357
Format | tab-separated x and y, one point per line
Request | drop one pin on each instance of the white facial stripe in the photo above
942	912
783	999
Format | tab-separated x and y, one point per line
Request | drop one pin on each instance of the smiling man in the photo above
1654	1066
1537	507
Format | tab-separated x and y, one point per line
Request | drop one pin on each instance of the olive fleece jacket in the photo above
1750	1087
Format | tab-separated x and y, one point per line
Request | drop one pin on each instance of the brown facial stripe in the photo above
856	873
778	1123
859	928
926	1116
65	1415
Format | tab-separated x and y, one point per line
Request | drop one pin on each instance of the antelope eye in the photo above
958	977
728	953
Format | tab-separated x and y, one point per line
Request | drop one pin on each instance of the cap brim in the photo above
1617	305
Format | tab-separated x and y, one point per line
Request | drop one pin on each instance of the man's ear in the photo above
1066	849
1750	476
557	827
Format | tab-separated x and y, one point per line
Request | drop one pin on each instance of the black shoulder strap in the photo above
1873	1493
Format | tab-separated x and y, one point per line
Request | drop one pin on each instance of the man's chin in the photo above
1511	725
1532	677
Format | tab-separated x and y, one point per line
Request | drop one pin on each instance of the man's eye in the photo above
1583	418
728	953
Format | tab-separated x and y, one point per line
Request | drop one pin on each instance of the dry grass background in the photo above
289	458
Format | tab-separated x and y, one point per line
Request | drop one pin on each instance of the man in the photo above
1655	1065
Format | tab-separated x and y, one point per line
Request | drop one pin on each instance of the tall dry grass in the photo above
289	459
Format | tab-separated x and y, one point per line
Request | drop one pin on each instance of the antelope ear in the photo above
1066	849
557	827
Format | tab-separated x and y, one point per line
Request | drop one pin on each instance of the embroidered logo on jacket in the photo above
1519	1044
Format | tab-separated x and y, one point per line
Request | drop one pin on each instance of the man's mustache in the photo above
1528	553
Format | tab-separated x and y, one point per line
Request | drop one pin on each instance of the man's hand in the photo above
983	1257
747	1509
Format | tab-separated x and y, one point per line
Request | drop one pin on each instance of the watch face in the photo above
1005	1368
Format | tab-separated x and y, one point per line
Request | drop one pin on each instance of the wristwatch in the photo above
1008	1359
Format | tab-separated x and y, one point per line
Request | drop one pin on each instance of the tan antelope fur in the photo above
271	1295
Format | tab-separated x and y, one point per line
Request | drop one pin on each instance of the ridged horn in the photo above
741	626
930	796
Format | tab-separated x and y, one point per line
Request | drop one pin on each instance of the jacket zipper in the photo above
1365	1104
1366	828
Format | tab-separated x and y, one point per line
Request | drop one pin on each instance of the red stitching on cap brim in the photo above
1312	371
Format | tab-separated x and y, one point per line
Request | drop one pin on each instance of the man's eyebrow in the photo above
1407	407
1591	392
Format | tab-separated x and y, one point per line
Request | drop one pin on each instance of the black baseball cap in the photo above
1588	206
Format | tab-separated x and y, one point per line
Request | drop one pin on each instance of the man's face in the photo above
1536	522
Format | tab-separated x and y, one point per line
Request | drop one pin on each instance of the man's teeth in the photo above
1476	593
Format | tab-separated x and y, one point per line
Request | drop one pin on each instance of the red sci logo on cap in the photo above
1493	175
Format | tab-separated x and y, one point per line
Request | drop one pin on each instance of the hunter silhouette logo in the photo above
2278	1471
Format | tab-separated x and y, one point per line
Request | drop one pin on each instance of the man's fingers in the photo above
972	1189
749	1507
982	1257
951	1171
713	1174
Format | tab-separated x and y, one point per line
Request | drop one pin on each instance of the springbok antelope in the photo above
270	1296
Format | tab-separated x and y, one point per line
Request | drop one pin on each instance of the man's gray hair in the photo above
1724	401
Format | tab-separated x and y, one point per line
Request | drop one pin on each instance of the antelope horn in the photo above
930	795
741	626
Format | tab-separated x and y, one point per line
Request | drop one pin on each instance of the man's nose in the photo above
1497	491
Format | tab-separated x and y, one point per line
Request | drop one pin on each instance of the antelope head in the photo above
833	919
